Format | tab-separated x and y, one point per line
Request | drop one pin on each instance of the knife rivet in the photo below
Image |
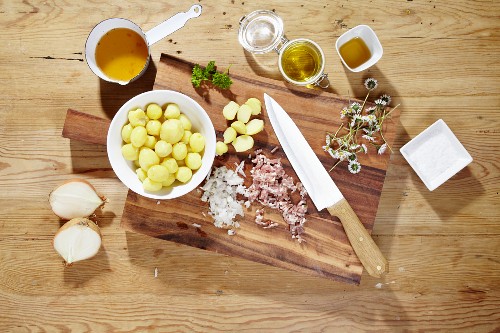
379	268
360	239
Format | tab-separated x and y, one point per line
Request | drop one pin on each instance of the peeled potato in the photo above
153	127
171	131
137	118
150	142
255	105
186	136
171	164
151	186
130	152
179	151
148	158
243	143
244	113
158	173
170	180
229	135
141	174
193	161
172	111
138	136
184	174
255	126
126	132
163	148
186	123
239	127
154	111
230	110
197	142
220	148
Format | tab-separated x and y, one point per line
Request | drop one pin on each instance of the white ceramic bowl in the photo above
125	170
371	40
436	154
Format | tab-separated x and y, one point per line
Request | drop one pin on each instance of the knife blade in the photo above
322	189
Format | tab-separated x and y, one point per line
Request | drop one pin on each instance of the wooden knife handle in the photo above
367	251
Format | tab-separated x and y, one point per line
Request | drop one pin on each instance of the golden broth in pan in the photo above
121	54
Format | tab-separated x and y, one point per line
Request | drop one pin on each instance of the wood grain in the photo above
440	61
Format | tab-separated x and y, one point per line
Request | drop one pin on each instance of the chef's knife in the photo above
321	188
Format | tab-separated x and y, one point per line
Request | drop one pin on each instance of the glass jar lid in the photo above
260	31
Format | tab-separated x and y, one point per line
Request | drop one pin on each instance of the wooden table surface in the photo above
441	60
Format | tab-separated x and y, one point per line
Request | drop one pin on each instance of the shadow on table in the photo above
81	272
114	95
266	65
453	196
90	160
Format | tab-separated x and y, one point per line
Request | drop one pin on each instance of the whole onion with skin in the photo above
75	198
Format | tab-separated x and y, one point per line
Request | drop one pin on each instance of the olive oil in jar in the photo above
301	61
355	52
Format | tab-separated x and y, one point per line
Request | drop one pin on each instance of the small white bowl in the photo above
125	170
436	154
371	40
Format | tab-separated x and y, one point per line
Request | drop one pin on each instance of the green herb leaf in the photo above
198	76
222	80
210	69
209	73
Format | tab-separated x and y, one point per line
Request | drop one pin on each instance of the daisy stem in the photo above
382	118
333	167
364	102
340	127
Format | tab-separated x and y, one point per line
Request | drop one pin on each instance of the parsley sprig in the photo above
210	73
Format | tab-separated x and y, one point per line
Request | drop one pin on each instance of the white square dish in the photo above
436	154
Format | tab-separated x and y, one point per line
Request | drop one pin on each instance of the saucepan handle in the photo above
172	24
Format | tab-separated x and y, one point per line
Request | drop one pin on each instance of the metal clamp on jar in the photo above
301	61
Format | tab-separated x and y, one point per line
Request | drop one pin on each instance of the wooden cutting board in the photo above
326	252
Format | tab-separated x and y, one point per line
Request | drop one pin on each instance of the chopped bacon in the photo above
271	187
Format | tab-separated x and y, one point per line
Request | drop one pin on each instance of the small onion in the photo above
75	198
78	239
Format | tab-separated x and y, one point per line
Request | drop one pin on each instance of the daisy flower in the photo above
371	83
371	109
356	107
380	102
370	119
344	112
328	140
354	167
331	152
368	137
365	149
342	155
382	149
386	98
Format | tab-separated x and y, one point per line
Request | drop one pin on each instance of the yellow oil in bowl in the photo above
355	52
121	54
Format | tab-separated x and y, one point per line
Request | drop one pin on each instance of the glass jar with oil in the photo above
301	61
